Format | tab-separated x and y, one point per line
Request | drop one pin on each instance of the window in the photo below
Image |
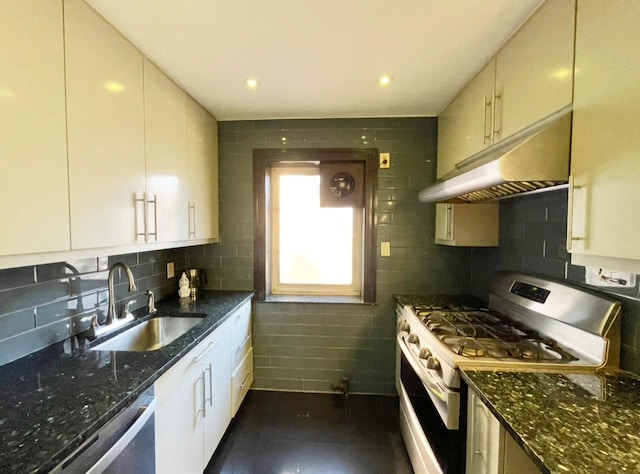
314	250
301	247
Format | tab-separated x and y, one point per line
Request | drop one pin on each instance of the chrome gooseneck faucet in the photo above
111	314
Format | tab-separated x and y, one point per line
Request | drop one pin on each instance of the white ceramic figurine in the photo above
183	286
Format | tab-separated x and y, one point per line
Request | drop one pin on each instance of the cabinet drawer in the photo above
240	334
175	376
241	382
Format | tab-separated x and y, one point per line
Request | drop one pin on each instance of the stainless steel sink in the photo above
150	335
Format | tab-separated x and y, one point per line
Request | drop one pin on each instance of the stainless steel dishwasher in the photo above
124	445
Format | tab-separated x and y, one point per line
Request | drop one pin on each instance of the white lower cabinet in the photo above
194	399
241	356
490	449
241	381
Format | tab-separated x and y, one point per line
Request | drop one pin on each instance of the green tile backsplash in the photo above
38	302
533	234
311	346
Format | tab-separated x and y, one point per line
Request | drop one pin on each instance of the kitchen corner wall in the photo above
39	302
311	346
533	233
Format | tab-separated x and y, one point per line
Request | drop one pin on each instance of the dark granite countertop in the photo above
567	423
53	400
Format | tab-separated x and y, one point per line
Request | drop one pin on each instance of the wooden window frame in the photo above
265	158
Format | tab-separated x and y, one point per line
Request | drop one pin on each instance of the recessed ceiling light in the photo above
114	86
251	83
384	80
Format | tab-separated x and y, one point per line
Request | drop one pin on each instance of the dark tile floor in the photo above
291	433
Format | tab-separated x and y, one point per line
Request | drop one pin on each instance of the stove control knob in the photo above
424	354
404	326
433	363
413	339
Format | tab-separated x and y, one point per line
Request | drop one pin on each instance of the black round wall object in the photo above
342	184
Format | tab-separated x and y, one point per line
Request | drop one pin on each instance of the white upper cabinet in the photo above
530	78
534	70
33	181
165	112
464	127
105	119
604	202
467	225
202	131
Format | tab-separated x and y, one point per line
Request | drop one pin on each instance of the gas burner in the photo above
523	350
472	347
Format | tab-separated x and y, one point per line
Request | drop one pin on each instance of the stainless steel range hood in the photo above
533	160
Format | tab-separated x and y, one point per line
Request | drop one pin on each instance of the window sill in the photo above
314	299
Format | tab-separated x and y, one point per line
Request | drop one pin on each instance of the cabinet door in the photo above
178	427
241	381
467	225
105	120
534	70
240	335
483	439
605	168
165	113
464	127
217	412
33	181
203	172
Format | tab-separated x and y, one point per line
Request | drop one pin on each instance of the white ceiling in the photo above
319	58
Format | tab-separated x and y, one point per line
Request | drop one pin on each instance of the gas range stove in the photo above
529	324
484	333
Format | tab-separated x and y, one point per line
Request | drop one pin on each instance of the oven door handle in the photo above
428	384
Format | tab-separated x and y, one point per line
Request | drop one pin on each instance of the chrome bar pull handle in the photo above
146	218
192	220
244	343
570	212
246	380
210	399
209	347
204	395
142	201
486	102
153	201
494	112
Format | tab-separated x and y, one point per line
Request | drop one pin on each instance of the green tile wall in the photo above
533	233
310	346
38	302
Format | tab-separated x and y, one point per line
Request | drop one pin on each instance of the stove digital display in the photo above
530	292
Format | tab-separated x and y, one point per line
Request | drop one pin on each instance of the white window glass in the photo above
316	250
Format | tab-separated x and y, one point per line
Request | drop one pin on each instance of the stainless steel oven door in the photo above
433	447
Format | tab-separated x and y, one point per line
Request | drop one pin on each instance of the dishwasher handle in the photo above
125	439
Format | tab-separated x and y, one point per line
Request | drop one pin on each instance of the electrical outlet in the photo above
170	270
602	277
385	249
385	160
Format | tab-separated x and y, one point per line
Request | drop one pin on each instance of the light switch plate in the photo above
385	249
170	270
385	160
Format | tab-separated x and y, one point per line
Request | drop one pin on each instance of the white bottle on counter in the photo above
183	286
